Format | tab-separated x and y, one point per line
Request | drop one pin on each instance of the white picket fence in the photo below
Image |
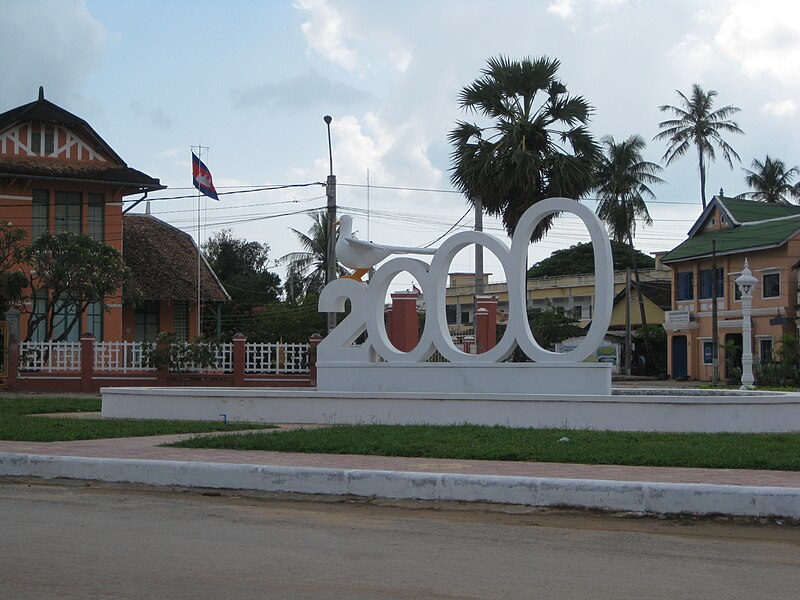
129	357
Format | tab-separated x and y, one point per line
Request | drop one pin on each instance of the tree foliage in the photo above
771	181
697	125
290	322
536	146
71	271
579	259
242	267
308	266
12	253
622	182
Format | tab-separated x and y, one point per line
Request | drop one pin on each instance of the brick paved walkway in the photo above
149	449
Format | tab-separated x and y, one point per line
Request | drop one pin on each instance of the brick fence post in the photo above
404	320
13	365
87	363
239	358
486	327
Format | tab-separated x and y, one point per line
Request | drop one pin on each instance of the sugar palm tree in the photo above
535	146
310	263
771	181
697	124
622	180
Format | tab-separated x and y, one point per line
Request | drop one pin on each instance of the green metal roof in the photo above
764	234
749	211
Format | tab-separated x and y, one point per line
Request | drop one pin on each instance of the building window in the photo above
145	321
765	350
63	316
94	320
40	213
707	283
708	352
180	316
95	217
38	317
685	283
36	140
68	212
771	285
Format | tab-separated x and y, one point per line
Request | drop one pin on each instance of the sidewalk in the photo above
655	490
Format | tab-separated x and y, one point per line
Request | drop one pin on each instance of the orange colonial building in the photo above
57	174
728	231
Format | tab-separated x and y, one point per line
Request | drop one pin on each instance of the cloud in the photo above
764	38
325	35
360	38
54	43
304	91
157	117
780	108
393	155
562	8
567	9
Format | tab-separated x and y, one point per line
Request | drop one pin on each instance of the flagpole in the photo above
199	321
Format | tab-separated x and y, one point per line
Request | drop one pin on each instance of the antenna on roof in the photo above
41	92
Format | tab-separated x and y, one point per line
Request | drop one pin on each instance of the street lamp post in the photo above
330	187
746	282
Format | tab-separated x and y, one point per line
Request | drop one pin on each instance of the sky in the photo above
251	81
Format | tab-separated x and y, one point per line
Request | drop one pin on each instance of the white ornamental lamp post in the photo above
746	282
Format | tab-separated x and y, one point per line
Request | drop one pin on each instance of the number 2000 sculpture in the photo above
367	301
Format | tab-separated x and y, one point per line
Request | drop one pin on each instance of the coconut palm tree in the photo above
622	181
310	263
771	181
697	125
536	144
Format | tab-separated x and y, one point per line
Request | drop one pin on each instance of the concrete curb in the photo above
643	497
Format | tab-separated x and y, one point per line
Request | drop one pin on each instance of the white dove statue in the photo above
361	256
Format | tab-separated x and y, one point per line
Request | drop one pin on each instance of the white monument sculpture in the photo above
377	366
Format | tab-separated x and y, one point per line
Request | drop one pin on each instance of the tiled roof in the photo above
163	260
118	173
758	226
77	172
749	211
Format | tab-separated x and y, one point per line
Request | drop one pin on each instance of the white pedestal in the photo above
487	378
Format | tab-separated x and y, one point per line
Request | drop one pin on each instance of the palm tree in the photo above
310	263
622	179
697	124
771	181
536	146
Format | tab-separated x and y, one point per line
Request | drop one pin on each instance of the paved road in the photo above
73	540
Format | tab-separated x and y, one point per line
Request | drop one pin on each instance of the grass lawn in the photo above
723	451
19	423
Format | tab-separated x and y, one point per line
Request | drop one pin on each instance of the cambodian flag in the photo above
202	178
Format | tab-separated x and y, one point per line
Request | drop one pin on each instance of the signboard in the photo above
676	318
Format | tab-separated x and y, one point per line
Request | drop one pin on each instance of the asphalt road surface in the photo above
73	540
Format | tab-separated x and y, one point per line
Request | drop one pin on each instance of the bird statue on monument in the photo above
360	255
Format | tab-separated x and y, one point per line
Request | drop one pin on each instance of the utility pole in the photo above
478	264
714	332
330	190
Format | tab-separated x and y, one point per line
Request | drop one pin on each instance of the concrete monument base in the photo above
633	410
481	378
